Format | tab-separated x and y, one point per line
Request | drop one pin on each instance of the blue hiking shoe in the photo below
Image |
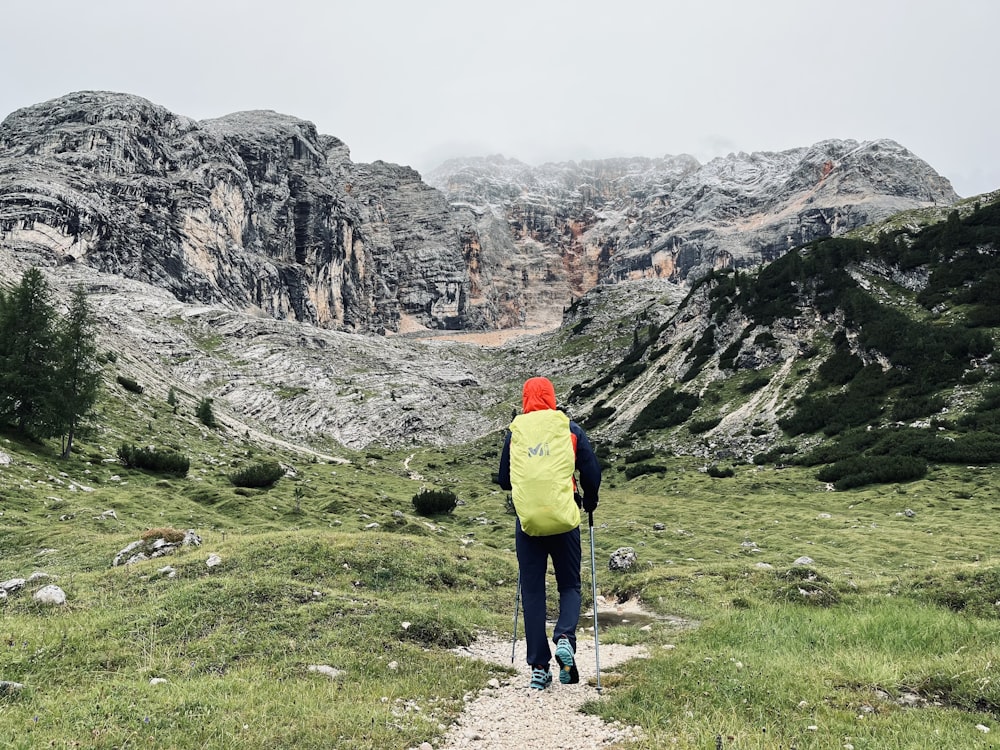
541	678
568	673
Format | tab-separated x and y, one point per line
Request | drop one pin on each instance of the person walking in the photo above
541	451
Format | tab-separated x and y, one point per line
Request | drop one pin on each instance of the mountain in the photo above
255	211
673	218
259	212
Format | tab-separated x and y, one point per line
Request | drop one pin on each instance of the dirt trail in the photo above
509	715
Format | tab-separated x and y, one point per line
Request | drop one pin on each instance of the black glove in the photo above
578	499
590	503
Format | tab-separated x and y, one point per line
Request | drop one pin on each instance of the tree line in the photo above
50	372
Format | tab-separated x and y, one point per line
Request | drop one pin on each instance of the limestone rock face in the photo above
255	211
624	219
260	213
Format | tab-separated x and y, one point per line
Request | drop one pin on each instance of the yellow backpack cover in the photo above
542	461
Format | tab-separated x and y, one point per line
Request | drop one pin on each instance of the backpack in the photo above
542	460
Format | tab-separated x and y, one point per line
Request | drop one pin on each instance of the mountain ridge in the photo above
258	211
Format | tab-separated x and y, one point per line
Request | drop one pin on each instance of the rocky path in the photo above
508	715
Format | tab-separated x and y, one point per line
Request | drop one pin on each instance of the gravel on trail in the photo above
508	715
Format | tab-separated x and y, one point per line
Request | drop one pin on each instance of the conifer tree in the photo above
78	372
27	351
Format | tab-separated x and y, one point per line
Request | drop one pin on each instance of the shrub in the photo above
635	470
263	474
668	409
151	459
598	415
433	502
698	426
755	384
774	454
720	473
862	470
640	455
129	385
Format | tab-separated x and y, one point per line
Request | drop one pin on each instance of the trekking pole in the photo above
593	588
517	605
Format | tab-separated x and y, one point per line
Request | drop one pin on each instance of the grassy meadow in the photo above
887	639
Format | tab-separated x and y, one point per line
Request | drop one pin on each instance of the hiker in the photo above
542	449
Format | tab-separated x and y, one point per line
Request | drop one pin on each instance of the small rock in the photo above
494	683
910	513
425	746
372	525
329	671
623	558
659	527
804	560
405	625
213	560
7	688
983	728
50	595
167	571
394	665
158	681
12	585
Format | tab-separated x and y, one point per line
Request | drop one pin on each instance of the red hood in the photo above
538	394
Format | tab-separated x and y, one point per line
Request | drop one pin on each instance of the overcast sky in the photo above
415	82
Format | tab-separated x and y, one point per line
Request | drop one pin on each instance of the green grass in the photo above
906	605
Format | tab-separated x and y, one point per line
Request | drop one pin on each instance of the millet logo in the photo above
542	449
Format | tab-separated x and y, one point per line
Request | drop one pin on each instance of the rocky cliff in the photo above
255	210
673	218
259	212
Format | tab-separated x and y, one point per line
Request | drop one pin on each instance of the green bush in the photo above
263	474
774	454
598	415
640	455
635	470
668	409
698	426
151	459
862	470
754	384
129	385
434	502
720	472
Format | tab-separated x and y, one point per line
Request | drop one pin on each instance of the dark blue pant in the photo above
532	560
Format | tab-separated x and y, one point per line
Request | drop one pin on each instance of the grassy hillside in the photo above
895	607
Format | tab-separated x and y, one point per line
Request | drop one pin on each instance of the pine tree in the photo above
204	412
78	373
27	350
